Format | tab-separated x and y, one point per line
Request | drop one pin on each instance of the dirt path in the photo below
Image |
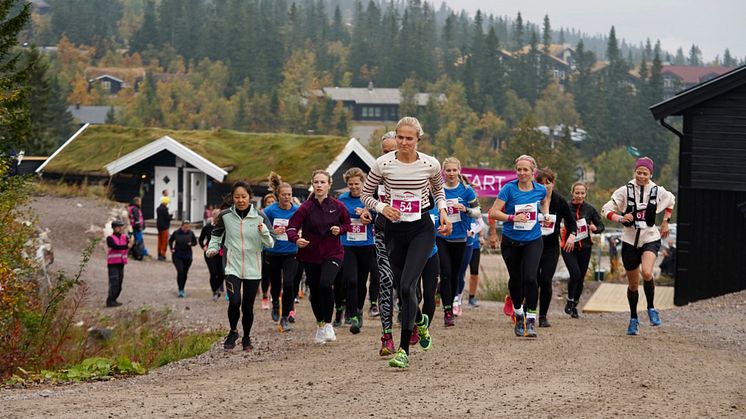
692	366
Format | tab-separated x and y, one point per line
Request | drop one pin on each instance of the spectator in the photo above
163	222
137	221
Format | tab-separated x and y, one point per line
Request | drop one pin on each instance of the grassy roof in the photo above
251	155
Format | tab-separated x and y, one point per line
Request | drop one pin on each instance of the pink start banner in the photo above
486	182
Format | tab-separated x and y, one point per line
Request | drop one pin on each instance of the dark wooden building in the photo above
372	103
711	236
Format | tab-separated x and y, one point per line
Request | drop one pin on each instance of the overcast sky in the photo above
711	24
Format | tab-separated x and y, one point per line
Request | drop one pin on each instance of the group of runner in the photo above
415	236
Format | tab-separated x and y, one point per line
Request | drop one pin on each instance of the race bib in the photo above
281	222
530	210
407	203
358	231
582	229
454	215
640	216
551	221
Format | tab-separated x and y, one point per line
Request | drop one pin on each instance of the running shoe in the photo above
355	325
373	310
520	327
457	307
655	318
182	294
633	328
329	334
348	319
338	318
531	327
387	345
568	306
400	360
296	301
448	320
423	330
275	312
246	343
265	303
284	325
320	337
414	337
544	322
215	296
574	312
230	340
473	302
291	316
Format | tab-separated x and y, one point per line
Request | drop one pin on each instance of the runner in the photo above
577	255
462	206
243	232
321	219
215	263
180	243
634	206
268	200
409	178
280	259
359	249
116	258
386	277
517	206
559	209
477	228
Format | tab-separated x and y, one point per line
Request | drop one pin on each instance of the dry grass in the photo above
70	190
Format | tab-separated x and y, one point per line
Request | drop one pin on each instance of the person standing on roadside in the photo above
137	222
163	222
116	257
181	243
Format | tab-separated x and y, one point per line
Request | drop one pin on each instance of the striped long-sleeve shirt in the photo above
423	176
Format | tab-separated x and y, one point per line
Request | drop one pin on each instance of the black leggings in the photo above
451	255
430	285
215	266
282	270
409	245
386	282
373	285
320	278
182	270
474	262
522	261
547	267
340	292
357	265
577	265
236	304
116	276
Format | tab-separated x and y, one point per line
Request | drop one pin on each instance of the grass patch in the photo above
250	154
70	190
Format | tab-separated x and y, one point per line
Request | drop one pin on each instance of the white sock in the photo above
518	311
531	315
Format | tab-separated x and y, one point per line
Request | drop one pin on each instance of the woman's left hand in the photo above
569	243
445	227
335	230
365	217
593	228
664	229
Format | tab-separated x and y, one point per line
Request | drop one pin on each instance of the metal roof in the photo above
89	114
374	96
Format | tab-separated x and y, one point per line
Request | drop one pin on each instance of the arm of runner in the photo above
216	238
616	205
295	224
596	221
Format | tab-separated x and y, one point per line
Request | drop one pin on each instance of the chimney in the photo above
370	86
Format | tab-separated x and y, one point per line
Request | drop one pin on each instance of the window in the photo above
106	85
668	83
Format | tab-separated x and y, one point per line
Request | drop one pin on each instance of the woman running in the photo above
244	233
559	210
477	229
181	242
280	259
518	205
462	207
322	219
267	200
635	206
215	263
359	249
409	178
577	255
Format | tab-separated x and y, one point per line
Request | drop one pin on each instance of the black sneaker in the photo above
246	343
568	307
284	324
230	340
574	314
338	318
355	325
275	312
544	322
113	304
531	327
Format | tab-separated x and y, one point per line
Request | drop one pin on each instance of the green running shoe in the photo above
426	341
400	360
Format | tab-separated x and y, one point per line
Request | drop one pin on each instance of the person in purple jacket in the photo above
321	220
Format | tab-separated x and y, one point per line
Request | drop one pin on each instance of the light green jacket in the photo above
243	242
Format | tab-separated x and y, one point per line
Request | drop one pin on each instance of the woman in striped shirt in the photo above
410	178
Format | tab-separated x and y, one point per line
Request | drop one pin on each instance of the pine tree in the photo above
728	60
148	32
695	56
680	59
14	110
518	32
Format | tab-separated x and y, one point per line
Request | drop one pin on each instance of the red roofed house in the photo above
681	77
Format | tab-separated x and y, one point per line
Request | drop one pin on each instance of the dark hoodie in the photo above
315	219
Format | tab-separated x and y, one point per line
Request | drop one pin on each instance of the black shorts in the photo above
632	256
474	262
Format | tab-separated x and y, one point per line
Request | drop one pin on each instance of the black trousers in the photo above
356	267
182	270
577	265
116	277
522	261
430	286
451	255
265	273
282	270
547	267
238	304
320	278
215	266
